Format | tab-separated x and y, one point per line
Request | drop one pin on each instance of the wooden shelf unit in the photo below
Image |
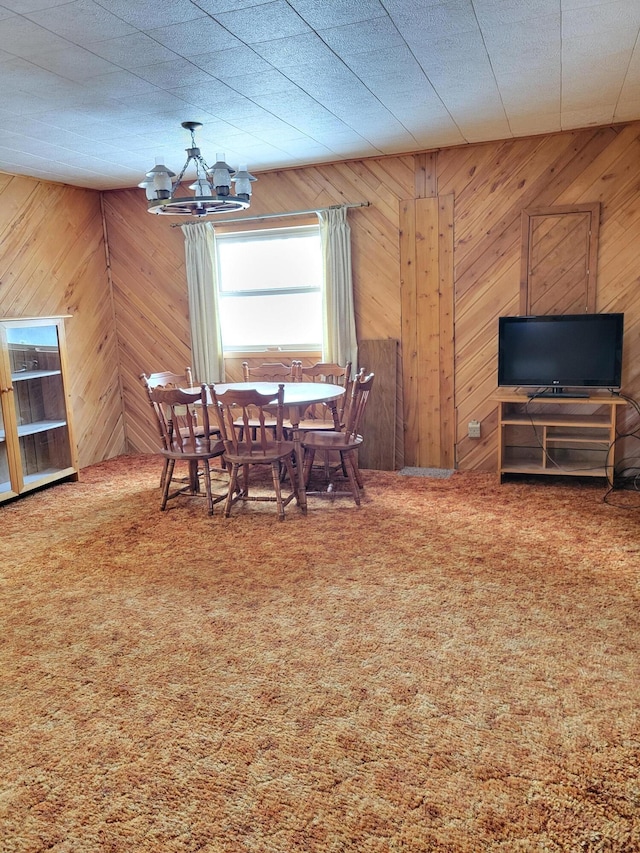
557	436
36	435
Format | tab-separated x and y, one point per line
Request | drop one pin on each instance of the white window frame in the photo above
268	234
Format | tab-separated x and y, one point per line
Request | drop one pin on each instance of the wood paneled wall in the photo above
52	261
480	190
491	184
132	314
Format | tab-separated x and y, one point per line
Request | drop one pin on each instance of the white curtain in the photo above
339	344
206	340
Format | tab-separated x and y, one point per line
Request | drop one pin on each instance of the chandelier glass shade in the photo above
211	187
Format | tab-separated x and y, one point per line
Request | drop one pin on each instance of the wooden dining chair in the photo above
183	422
166	379
321	416
345	443
245	419
275	372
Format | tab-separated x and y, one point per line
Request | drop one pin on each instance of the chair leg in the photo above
171	463
309	455
207	485
165	467
288	466
356	468
233	487
275	475
351	473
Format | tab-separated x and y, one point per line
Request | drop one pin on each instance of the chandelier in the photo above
211	188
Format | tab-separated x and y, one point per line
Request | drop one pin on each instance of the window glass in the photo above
270	288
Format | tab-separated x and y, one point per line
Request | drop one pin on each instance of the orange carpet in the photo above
455	666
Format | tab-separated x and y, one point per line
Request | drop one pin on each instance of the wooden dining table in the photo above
298	396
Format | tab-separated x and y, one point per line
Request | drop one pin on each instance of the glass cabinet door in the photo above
39	400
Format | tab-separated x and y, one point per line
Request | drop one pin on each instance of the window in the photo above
270	289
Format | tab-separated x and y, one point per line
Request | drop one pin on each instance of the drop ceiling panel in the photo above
100	87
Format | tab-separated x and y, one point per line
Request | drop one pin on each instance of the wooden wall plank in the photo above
446	301
428	331
409	341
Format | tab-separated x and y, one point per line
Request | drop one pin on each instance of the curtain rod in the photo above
276	215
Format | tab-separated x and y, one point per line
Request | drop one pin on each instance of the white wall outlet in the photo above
474	429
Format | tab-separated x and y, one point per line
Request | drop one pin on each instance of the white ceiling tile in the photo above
534	123
567	5
319	14
149	14
190	38
265	83
595	115
175	72
306	49
23	7
214	7
627	109
81	22
74	63
524	35
620	16
265	22
133	51
479	130
362	37
118	84
425	23
22	37
495	13
233	62
461	50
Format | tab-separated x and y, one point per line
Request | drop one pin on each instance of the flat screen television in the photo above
555	353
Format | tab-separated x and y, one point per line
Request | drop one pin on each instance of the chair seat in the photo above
316	424
331	440
190	451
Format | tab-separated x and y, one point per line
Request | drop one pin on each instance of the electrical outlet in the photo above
474	429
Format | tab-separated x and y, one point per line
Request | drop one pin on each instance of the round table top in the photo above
295	393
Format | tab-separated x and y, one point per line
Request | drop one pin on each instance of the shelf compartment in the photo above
46	475
539	419
39	426
23	375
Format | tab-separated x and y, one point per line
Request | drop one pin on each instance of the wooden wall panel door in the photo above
559	259
426	259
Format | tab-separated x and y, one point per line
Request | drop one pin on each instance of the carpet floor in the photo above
453	666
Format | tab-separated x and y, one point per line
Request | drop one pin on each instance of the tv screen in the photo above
561	351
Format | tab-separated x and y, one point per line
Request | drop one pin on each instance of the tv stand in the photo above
554	393
557	435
